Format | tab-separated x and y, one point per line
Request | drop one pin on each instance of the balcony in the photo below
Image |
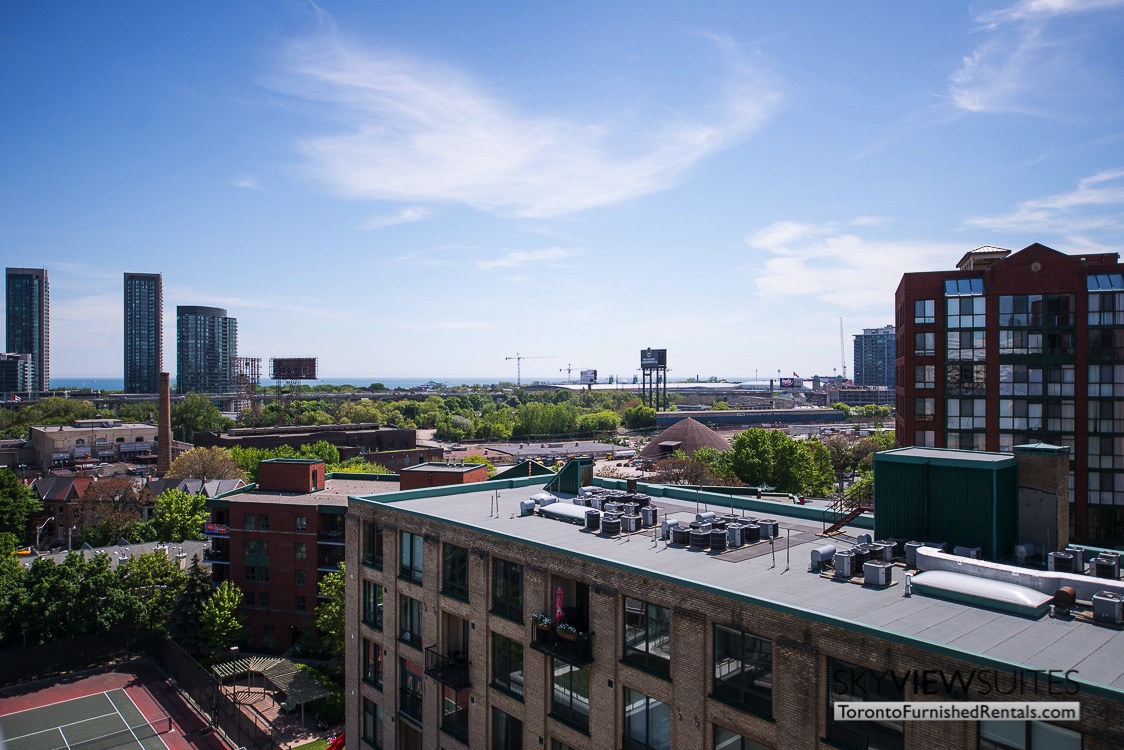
220	556
329	560
576	650
220	530
330	536
448	670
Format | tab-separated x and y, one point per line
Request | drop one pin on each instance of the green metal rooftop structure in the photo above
965	498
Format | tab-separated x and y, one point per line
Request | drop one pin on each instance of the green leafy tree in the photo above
751	457
604	420
358	465
484	461
323	450
206	463
154	581
330	611
185	623
639	417
17	505
221	626
13	591
197	413
179	515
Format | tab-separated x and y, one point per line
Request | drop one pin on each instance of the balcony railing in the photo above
331	536
577	650
448	670
216	556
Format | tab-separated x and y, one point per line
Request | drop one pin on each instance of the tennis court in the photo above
103	721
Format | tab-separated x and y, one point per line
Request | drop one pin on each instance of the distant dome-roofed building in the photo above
687	435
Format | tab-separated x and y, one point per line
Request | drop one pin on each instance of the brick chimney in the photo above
164	436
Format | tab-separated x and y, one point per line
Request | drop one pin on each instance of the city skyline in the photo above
407	199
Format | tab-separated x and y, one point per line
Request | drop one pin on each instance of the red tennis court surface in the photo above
144	683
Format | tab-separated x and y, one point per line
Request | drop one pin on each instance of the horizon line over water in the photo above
118	384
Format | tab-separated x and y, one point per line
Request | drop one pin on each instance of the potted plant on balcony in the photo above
542	621
567	631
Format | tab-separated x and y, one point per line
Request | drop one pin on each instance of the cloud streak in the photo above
414	131
1094	206
521	258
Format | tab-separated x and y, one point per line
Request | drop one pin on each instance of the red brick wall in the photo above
412	480
283	476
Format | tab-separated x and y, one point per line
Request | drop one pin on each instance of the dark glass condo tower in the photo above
144	331
28	321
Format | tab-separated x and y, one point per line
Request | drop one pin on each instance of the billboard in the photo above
292	368
588	377
652	358
791	383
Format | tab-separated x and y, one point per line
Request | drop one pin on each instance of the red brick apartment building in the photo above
277	540
442	474
673	646
1017	348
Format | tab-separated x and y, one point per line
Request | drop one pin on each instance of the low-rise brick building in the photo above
673	645
442	474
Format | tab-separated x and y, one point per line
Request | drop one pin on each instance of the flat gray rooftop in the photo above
336	492
752	574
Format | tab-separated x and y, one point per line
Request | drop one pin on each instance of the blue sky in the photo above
424	189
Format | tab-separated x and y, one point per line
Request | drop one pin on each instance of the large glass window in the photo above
966	380
1015	414
724	739
372	604
411	546
507	664
507	589
966	413
647	635
966	312
848	683
454	571
372	724
963	287
925	376
1020	380
410	620
966	346
371	663
743	669
454	712
1020	342
924	311
372	544
570	699
924	409
410	688
647	722
1026	735
507	731
924	344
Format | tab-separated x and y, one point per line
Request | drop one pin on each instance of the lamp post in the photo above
39	530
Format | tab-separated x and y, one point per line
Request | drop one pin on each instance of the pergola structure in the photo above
298	686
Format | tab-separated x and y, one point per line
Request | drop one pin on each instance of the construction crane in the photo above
567	369
519	365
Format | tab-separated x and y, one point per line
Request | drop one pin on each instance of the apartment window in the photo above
570	698
1020	342
301	524
965	413
724	739
410	620
263	522
556	745
1059	380
411	546
848	683
924	344
743	669
1105	416
966	346
454	571
647	635
925	376
647	722
924	409
372	724
966	312
250	573
301	603
1106	381
966	380
372	604
263	600
1020	380
298	577
507	731
924	311
507	589
966	441
1016	414
372	544
1026	735
963	287
925	438
300	550
410	689
507	665
250	522
371	663
256	547
454	712
249	599
1060	416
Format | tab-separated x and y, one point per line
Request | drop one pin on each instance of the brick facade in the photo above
441	475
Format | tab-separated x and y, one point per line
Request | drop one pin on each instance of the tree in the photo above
109	507
154	581
197	413
221	626
599	421
184	625
330	611
357	465
206	463
17	505
179	515
481	460
638	417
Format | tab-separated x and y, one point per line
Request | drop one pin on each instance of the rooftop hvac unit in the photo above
666	526
597	502
882	551
700	539
734	536
1078	558
942	546
864	539
708	517
730	518
680	535
642	500
526	507
877	573
1106	567
612	507
630	524
844	564
862	554
751	533
821	556
975	553
1108	607
593	519
1061	562
769	528
1024	553
911	553
649	514
718	540
610	526
707	527
632	509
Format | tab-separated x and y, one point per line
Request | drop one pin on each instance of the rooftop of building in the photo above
337	489
444	468
776	576
119	553
85	425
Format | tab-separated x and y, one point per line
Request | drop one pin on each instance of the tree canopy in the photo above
179	515
196	413
17	504
206	463
330	611
221	625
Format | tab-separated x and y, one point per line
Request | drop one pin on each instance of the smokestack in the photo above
164	455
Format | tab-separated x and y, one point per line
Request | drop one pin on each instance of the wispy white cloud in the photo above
440	325
519	258
1093	206
247	182
1026	61
420	131
828	264
404	216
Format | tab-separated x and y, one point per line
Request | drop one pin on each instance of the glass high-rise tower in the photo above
206	339
28	321
144	331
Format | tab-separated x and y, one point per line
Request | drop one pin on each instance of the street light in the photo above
39	530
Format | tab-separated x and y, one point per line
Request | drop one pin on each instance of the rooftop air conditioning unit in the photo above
1024	553
1061	562
911	553
1108	607
1078	558
844	564
974	553
877	573
822	556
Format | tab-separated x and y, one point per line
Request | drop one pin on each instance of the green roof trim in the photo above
524	469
